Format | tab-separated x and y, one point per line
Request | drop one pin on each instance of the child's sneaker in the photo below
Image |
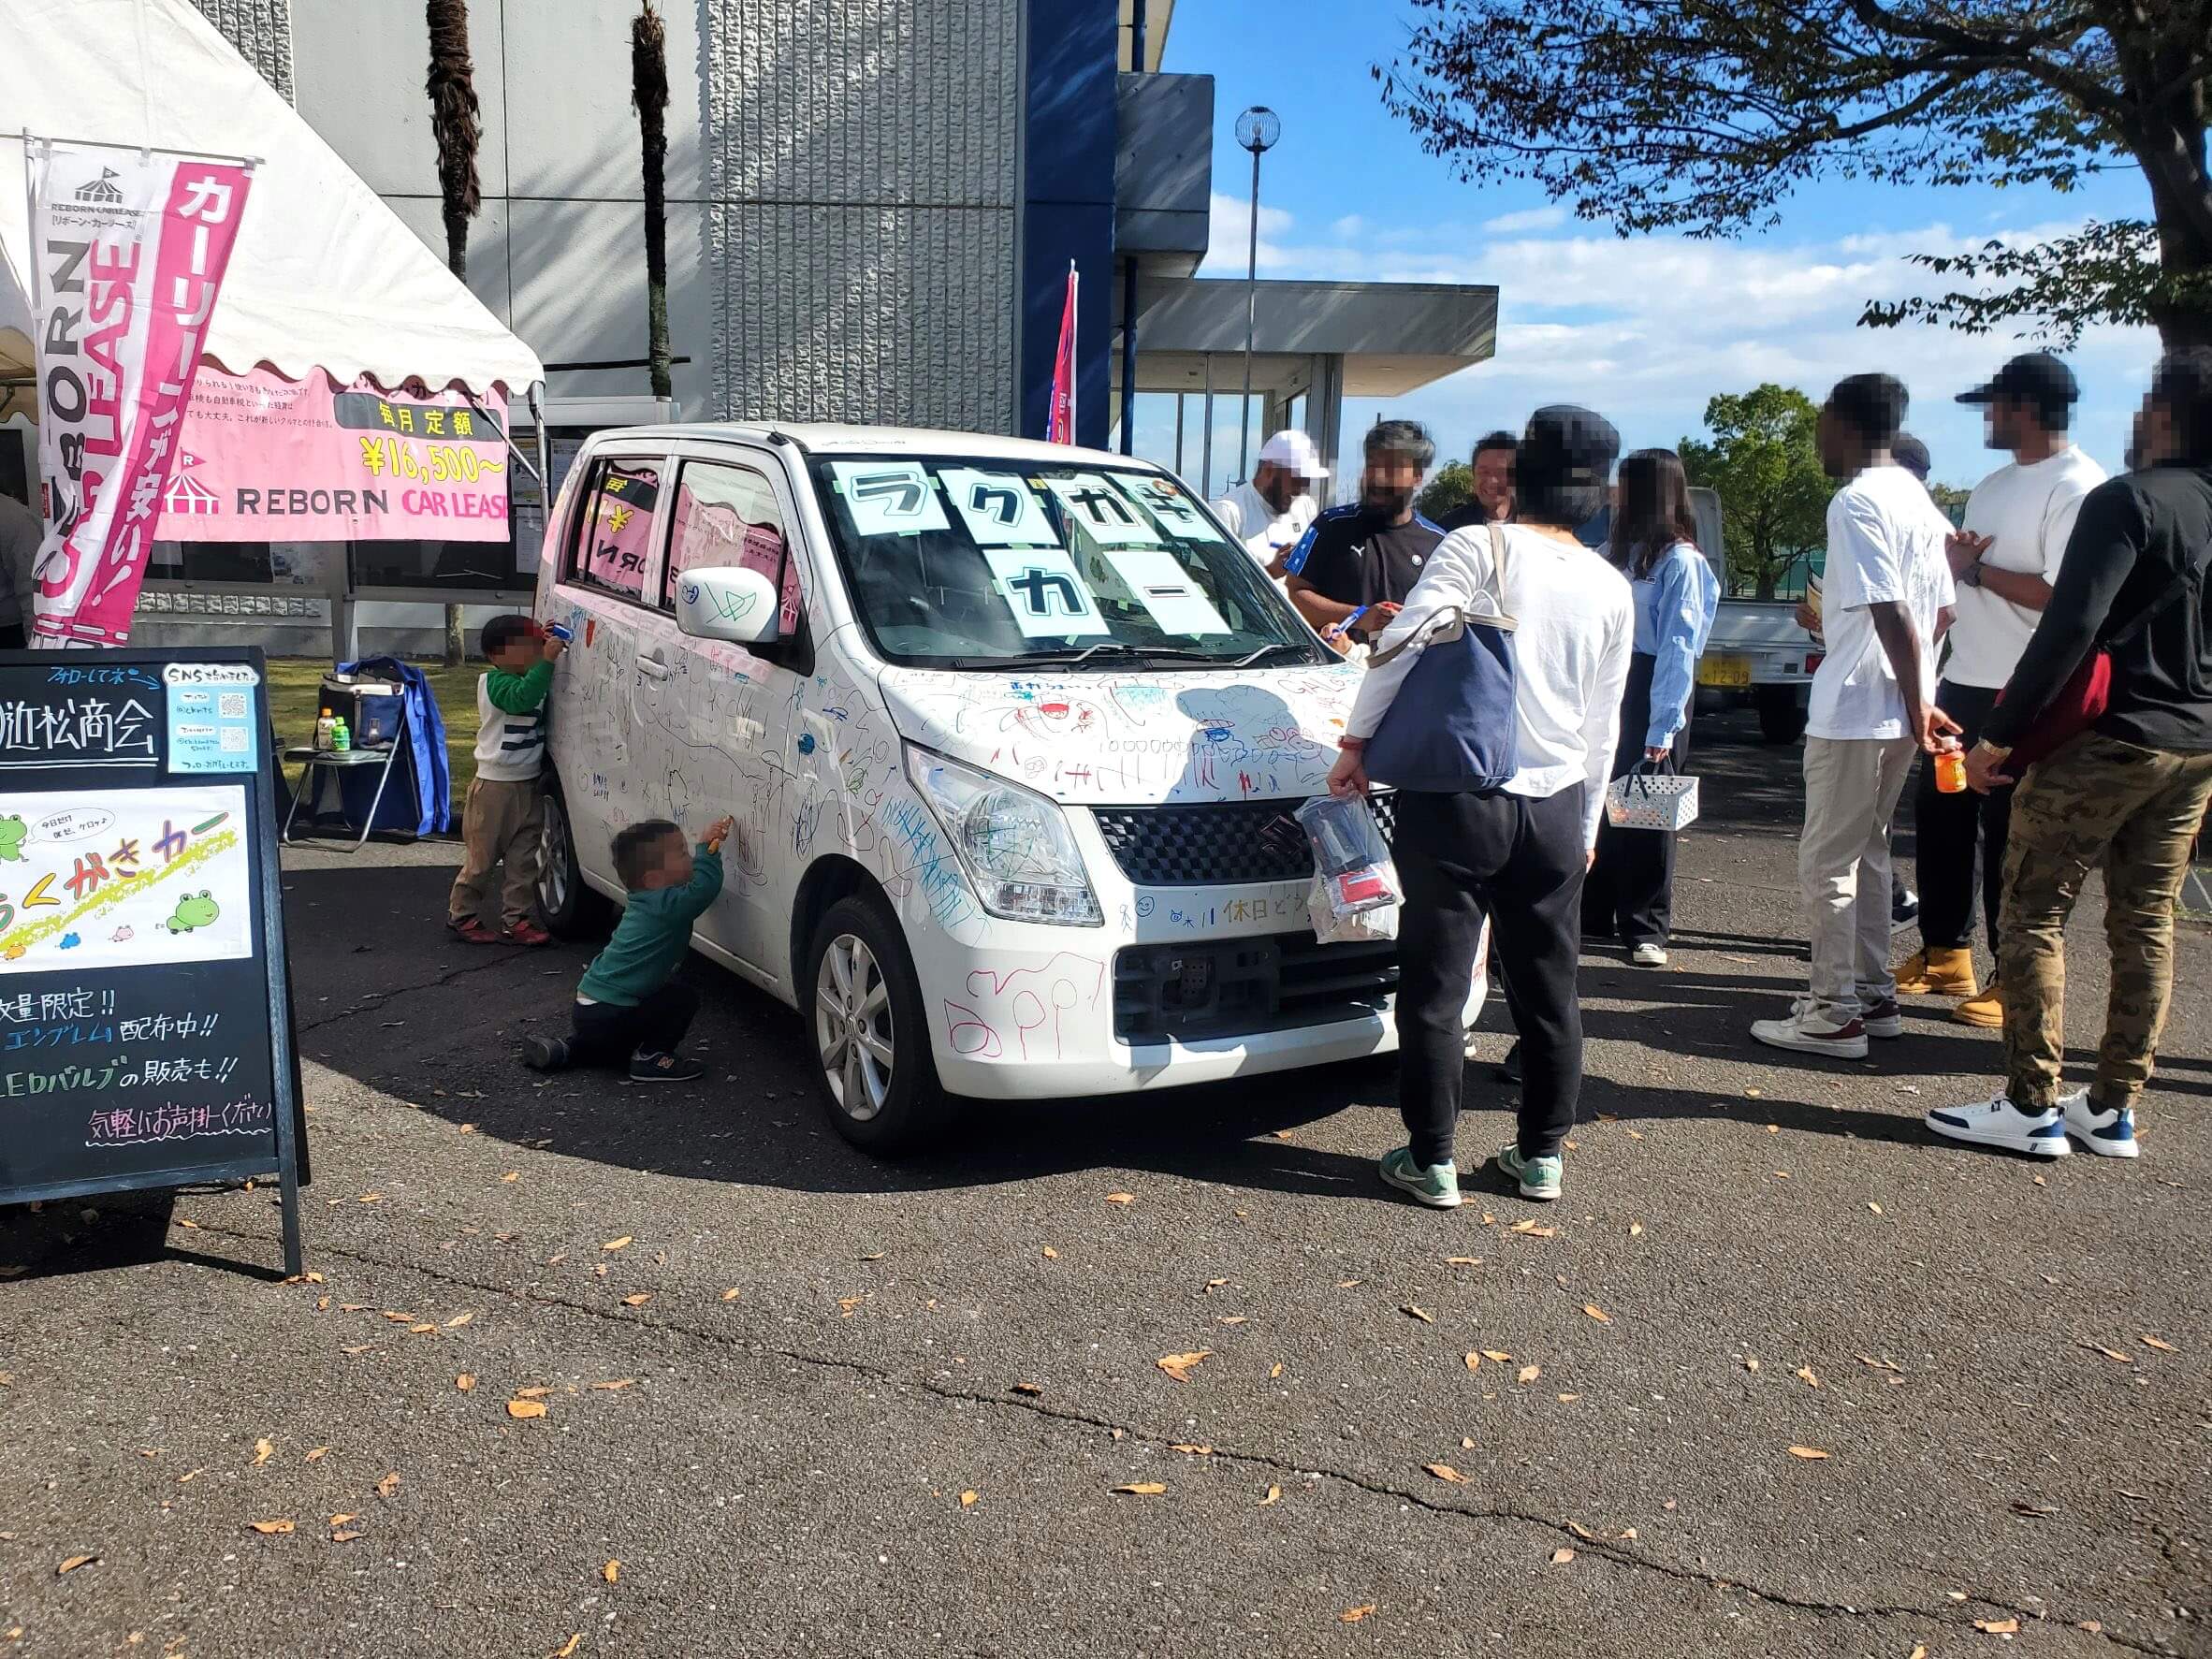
1437	1186
528	933
645	1067
2108	1134
545	1054
471	931
1540	1177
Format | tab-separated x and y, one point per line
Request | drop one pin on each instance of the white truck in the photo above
1757	650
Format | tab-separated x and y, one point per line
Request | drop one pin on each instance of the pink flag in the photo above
1060	428
128	251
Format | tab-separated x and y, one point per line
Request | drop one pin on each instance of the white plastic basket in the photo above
1652	801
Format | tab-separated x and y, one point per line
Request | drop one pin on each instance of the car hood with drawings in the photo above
1118	738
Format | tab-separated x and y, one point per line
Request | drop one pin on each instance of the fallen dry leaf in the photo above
614	1383
1143	1489
1636	1230
1215	1283
1868	1360
1919	1651
1179	1365
1462	1262
612	1572
1805	1375
1232	1319
270	1526
567	1648
1568	1398
343	1537
74	1562
537	1393
1275	1371
526	1408
397	1318
1997	1626
1414	1313
1561	1555
2098	1347
317	1455
1597	1313
1051	1254
1474	1360
1192	1448
1030	1389
1750	1363
422	1329
1121	1198
967	1499
639	1300
1446	1472
1528	1374
512	1175
1876	1208
458	1320
262	1450
390	1485
622	1244
2035	1512
1534	1230
731	1294
342	1520
2163	1347
465	1381
1274	1495
1353	1615
1811	1453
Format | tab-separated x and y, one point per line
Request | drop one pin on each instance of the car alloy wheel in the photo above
853	1027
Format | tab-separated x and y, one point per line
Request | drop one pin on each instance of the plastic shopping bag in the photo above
1354	893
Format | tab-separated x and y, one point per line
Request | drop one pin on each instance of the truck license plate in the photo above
1724	671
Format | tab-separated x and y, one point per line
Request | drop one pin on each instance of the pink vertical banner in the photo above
128	253
1060	424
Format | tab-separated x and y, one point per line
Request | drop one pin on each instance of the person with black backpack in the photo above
2107	724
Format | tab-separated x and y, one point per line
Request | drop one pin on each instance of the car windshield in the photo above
972	562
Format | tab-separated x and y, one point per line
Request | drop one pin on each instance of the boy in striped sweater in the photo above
505	811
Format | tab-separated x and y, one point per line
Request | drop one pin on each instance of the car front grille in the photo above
1242	987
1216	843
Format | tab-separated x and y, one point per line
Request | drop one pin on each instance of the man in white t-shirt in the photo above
1269	514
1886	598
2004	563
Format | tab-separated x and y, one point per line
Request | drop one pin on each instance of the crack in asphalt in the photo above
1584	1540
373	1000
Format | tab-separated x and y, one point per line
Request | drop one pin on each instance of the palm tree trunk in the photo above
649	92
456	124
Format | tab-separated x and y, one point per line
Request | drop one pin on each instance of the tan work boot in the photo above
1984	1010
1939	973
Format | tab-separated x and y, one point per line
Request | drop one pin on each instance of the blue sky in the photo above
1644	329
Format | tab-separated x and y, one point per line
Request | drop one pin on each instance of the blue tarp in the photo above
418	801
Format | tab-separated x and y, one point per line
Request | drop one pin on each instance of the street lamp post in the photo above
1257	128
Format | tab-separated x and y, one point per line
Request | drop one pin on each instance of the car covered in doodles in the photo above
1012	733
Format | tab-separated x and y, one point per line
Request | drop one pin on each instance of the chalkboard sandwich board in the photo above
145	1006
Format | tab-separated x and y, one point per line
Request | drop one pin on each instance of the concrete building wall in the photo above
842	189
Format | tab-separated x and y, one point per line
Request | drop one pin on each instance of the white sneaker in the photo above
2000	1123
2108	1134
1649	954
1808	1032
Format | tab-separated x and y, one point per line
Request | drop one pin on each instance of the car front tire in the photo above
874	1072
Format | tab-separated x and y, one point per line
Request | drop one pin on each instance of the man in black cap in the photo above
2004	563
1516	856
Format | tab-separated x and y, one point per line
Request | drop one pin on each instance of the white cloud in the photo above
1646	330
1544	218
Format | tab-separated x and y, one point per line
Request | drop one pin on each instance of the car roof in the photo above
827	438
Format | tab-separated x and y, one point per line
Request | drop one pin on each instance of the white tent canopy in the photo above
323	275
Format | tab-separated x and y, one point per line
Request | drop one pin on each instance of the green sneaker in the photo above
1540	1177
1437	1186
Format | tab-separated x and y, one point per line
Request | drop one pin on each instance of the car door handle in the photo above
653	668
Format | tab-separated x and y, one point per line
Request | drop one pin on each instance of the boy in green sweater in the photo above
505	811
629	1006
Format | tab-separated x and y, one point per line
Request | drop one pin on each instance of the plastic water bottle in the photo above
326	731
342	740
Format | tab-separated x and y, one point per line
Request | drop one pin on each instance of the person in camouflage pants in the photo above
2133	813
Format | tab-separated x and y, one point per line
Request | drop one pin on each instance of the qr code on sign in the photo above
235	741
231	706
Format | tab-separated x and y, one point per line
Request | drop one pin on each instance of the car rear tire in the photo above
874	1072
571	909
1782	717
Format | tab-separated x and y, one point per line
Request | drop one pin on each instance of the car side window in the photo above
727	516
615	536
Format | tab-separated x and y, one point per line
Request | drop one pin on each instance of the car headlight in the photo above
1012	842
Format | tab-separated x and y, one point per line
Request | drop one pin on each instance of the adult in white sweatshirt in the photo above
1518	855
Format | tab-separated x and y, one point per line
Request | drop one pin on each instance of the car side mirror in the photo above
726	603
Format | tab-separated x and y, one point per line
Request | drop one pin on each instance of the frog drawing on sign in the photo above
122	933
194	909
13	831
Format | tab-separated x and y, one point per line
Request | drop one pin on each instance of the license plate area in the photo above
1732	673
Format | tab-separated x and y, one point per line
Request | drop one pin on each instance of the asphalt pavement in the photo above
587	1369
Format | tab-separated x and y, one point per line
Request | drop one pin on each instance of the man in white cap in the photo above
1272	512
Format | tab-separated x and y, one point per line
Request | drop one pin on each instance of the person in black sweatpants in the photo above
1520	860
1944	831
